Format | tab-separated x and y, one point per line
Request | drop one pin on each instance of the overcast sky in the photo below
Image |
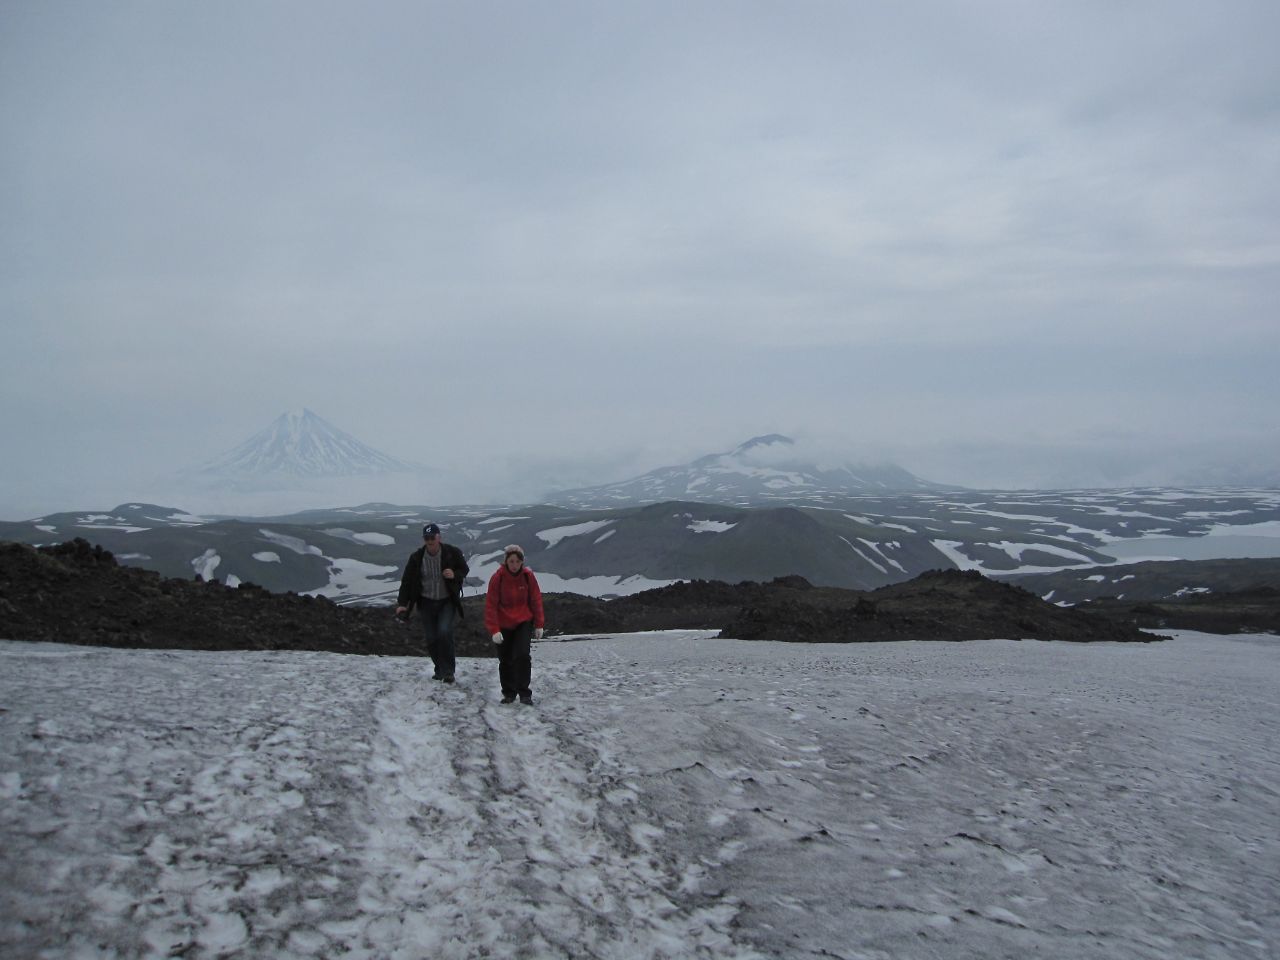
1000	243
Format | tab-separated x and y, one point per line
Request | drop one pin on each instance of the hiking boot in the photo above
447	678
526	698
508	698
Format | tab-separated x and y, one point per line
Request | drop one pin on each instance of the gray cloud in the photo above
617	236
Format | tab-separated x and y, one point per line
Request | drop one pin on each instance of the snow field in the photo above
671	795
509	852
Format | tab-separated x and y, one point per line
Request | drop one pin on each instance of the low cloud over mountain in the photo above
768	468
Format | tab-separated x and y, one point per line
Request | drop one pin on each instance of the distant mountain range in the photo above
303	451
356	553
769	507
766	469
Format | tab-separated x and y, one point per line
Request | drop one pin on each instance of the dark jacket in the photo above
451	558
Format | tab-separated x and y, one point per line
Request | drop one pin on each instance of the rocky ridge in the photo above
1254	609
77	593
945	605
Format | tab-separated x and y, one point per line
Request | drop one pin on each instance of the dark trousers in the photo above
514	661
437	626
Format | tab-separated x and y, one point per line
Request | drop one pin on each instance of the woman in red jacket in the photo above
513	615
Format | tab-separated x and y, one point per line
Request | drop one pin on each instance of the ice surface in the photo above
672	795
1217	546
1270	528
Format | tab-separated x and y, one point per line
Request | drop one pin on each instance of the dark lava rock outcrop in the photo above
1252	610
76	593
937	605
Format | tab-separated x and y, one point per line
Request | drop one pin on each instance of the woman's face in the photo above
514	562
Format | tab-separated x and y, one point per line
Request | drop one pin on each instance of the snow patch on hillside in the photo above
205	564
952	550
293	544
710	526
348	577
865	559
556	534
485	566
880	549
372	539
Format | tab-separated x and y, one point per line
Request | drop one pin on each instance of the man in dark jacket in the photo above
432	582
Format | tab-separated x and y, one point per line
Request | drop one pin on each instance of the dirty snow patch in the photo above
711	526
291	543
206	563
556	534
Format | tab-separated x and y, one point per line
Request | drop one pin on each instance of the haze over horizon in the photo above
1001	245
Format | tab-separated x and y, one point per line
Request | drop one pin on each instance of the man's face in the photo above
433	544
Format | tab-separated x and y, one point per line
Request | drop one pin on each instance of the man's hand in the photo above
447	573
401	611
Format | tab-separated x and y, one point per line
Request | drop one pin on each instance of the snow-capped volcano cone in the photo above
303	445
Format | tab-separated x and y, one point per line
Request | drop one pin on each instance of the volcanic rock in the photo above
77	593
1254	609
937	605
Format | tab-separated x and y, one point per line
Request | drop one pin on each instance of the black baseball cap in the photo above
430	530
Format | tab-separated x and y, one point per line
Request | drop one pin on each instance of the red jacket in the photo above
513	598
